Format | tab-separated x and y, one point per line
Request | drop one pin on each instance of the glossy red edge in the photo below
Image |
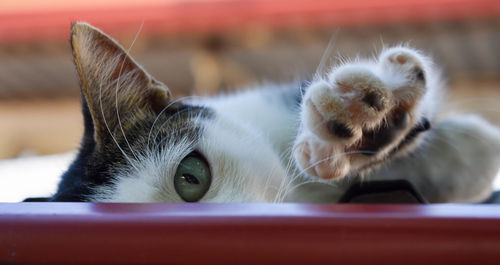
188	17
96	233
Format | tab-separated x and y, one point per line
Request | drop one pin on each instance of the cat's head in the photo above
139	145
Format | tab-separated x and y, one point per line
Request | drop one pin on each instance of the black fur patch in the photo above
95	166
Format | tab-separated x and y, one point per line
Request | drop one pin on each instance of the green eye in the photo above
192	178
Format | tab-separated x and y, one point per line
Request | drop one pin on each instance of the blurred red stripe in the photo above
217	16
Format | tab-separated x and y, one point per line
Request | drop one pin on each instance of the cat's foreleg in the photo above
457	162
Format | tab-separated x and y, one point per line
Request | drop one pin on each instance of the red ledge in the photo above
188	17
87	233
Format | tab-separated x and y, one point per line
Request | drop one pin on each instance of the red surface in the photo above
217	16
79	233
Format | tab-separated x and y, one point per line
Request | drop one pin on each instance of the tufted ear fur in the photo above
113	85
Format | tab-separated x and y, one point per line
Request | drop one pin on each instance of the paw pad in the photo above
339	129
401	59
374	100
419	73
359	115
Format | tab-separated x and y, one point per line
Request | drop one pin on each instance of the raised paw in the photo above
405	73
362	113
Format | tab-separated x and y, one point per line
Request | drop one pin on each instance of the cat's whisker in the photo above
177	113
291	176
191	126
291	170
267	183
163	110
376	50
284	184
292	188
109	131
303	171
326	55
117	88
160	143
289	179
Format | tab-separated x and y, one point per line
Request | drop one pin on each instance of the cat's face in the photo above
141	146
193	155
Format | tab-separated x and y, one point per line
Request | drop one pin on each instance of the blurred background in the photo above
208	46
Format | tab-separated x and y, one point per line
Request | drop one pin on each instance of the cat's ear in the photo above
112	83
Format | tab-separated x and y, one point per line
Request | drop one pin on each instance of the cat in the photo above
364	119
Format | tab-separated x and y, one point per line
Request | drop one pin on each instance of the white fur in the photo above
457	163
150	180
245	166
245	143
248	145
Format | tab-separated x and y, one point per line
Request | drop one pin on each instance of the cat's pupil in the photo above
190	179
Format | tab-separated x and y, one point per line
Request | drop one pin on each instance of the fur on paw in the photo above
361	114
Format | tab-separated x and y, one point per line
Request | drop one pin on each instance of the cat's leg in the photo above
457	162
364	113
